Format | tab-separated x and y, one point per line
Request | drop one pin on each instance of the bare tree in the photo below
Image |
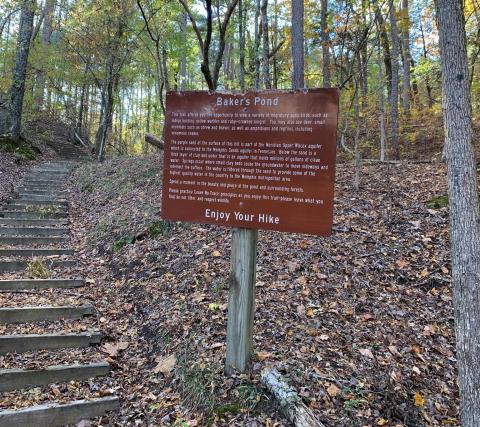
205	43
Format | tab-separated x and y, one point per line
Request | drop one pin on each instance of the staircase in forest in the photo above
40	323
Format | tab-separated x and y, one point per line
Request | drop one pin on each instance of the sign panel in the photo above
261	160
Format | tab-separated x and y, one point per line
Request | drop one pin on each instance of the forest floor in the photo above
360	323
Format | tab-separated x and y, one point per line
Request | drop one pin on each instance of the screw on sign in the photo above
250	160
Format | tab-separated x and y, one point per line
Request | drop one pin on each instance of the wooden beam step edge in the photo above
32	342
30	284
42	314
51	415
17	379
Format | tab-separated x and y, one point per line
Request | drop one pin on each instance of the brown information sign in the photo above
261	160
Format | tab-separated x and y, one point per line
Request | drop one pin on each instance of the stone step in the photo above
24	214
27	240
33	342
43	314
16	265
33	231
16	379
33	252
52	415
31	284
23	202
22	222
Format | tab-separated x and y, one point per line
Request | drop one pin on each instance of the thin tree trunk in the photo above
241	42
256	48
46	36
17	90
381	105
325	44
394	88
298	78
463	201
275	44
406	57
387	59
427	79
356	106
183	59
266	47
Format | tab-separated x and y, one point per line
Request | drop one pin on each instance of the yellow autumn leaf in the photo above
310	312
419	400
216	254
213	306
382	422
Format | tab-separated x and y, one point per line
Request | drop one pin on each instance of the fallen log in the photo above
290	403
153	140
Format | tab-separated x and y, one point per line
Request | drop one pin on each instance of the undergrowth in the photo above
38	269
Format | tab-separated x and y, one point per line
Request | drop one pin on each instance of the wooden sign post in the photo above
241	301
252	160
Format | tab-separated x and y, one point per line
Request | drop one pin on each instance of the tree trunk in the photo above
46	36
256	47
387	59
463	201
325	44
289	401
298	78
381	105
241	42
406	57
427	79
394	86
266	47
17	90
275	44
183	59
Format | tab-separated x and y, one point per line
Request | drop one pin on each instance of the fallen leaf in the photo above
419	400
366	352
262	355
165	365
216	254
382	422
301	310
333	390
114	348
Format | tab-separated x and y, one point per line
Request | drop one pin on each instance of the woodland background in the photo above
103	66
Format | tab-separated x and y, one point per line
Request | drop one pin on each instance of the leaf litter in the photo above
360	323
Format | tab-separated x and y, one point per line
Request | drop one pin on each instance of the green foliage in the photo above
120	243
197	385
159	228
22	150
438	202
87	187
228	408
